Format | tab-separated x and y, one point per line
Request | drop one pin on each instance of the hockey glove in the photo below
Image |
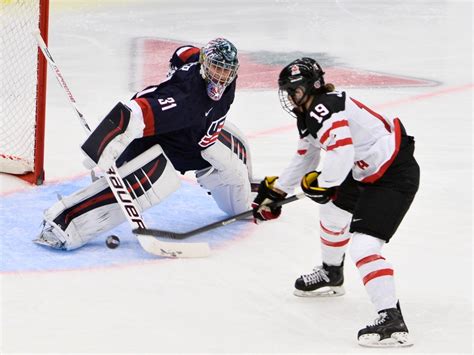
310	187
112	136
267	193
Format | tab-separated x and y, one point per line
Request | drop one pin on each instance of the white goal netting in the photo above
18	84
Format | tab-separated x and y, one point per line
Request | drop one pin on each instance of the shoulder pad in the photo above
333	101
184	55
323	107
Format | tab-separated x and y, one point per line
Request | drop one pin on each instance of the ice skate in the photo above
324	281
50	237
388	330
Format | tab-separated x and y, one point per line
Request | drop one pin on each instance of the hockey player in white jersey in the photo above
368	180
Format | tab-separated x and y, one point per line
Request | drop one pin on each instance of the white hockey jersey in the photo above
353	136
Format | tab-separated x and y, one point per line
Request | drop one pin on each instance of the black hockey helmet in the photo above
302	77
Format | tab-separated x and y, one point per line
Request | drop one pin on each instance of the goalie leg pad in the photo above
116	131
78	218
228	179
232	198
236	141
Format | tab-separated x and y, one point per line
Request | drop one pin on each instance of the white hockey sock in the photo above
334	233
376	273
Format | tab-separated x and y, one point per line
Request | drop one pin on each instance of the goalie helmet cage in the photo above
22	88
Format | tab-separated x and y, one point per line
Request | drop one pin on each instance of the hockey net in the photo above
22	88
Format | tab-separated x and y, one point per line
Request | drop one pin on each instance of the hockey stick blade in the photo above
173	249
179	236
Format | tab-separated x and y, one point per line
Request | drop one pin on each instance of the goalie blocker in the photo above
112	136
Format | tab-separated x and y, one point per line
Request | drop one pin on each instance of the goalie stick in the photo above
224	222
120	191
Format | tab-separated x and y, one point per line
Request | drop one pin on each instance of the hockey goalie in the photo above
176	126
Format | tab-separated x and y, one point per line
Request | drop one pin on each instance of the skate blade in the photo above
397	340
40	242
46	243
332	291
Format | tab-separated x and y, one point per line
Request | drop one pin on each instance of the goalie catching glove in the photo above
267	193
310	187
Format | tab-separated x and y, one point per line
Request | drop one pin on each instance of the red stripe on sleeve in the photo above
340	143
187	53
148	117
378	273
336	124
398	136
369	259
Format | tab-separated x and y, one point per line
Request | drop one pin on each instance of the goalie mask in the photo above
297	81
219	65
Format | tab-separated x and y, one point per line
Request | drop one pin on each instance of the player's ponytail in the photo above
328	87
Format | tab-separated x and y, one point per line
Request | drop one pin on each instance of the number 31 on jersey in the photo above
167	103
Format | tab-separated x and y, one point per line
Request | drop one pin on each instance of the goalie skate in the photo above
50	238
388	331
324	281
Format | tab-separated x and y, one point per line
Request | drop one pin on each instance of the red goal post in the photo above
22	88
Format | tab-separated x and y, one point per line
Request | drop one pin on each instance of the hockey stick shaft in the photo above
113	178
209	227
117	185
60	79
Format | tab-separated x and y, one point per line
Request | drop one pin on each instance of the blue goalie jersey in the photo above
179	115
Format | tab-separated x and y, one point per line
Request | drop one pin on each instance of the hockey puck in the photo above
112	241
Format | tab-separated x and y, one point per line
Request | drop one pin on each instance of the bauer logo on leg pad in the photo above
122	194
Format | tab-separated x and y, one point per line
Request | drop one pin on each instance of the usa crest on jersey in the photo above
212	132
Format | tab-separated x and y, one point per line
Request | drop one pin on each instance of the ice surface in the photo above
239	300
